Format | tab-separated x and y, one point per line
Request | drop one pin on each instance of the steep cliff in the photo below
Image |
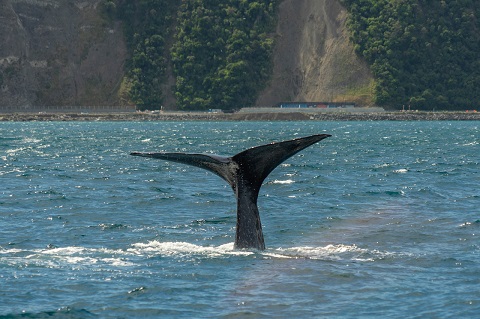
59	53
314	59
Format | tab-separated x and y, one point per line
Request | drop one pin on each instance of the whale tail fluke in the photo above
258	162
219	165
245	173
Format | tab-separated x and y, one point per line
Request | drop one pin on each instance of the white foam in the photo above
329	252
184	249
31	140
10	251
288	181
14	151
59	257
65	251
82	256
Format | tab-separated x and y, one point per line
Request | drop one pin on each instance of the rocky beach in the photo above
270	116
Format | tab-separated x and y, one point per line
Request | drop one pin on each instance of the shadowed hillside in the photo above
59	53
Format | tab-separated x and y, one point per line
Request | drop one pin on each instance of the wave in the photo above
287	181
329	252
337	252
56	258
138	252
186	249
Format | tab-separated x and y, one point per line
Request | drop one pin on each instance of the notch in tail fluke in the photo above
245	173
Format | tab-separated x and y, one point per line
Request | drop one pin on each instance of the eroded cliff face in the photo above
58	53
314	59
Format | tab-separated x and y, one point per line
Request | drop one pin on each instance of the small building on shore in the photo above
322	105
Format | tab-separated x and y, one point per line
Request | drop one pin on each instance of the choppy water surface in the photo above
380	220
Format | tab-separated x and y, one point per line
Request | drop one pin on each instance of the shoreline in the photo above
203	116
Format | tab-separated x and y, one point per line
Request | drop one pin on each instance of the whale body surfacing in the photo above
245	173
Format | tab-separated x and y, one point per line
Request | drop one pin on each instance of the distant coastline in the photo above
270	116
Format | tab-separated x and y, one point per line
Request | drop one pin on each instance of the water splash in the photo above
138	252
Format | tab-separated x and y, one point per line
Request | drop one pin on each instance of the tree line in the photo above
424	54
220	50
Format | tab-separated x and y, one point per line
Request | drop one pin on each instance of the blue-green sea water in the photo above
381	220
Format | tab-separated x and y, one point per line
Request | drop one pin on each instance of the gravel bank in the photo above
198	116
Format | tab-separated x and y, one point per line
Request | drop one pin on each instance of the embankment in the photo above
293	116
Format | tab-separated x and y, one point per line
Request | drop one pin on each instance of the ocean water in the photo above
381	220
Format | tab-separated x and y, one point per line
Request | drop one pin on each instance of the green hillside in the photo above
221	50
425	54
147	26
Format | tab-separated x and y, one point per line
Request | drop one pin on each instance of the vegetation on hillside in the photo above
423	53
147	27
221	51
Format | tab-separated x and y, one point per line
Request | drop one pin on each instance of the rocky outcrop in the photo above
58	53
314	59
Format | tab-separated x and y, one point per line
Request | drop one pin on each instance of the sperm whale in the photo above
245	173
